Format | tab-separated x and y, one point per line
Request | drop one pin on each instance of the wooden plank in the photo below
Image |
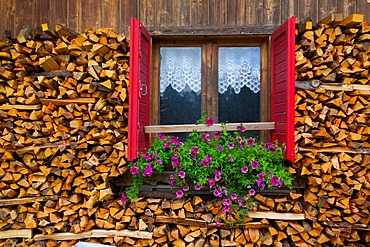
32	148
215	127
51	74
96	233
317	84
203	223
20	233
60	102
218	30
328	150
20	107
18	201
275	215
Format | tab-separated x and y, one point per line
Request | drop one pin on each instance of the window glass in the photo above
239	84
180	85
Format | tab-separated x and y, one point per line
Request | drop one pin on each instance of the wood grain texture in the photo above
79	15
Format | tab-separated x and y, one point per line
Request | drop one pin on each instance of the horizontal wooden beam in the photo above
60	145
60	102
275	215
19	233
20	107
51	74
18	201
97	233
215	127
333	150
317	84
203	223
211	31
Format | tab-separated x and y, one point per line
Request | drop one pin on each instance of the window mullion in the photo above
209	79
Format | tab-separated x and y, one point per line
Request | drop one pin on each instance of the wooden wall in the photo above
81	14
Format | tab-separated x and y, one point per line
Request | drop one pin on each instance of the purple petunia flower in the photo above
226	208
194	151
219	148
231	145
240	203
134	170
167	144
260	184
211	183
185	188
241	128
148	170
172	183
146	156
198	187
175	161
226	202
261	176
123	198
179	193
280	183
274	180
210	121
217	193
172	176
252	192
161	136
254	164
245	169
160	162
250	141
182	174
218	223
231	159
234	196
217	134
205	137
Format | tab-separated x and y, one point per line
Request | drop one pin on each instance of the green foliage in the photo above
230	166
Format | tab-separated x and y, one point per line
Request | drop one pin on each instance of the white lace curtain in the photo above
238	67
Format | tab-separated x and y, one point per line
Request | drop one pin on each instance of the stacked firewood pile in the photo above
332	125
63	139
179	222
63	127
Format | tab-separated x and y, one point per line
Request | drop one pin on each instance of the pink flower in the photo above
172	176
210	121
250	142
211	182
274	180
217	134
241	128
134	170
218	223
182	174
161	136
185	188
240	203
252	192
226	208
123	198
179	193
226	202
234	196
254	164
231	145
245	169
217	193
198	187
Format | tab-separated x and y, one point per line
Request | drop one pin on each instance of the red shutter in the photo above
139	98
283	84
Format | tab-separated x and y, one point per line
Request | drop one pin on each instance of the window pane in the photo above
180	85
239	84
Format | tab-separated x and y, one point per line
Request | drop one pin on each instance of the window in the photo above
282	80
227	78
